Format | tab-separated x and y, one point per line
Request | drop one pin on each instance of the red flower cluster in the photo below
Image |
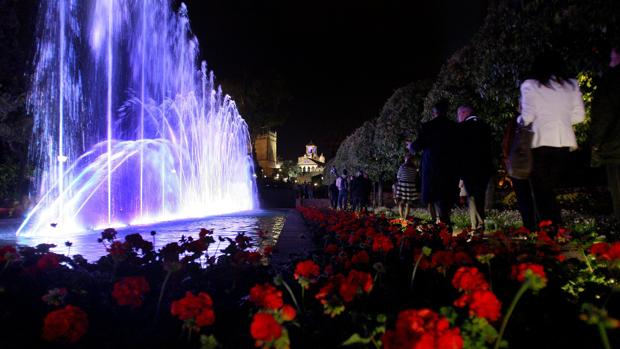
48	261
469	279
306	272
331	249
482	303
196	311
606	251
476	295
307	269
68	324
265	328
7	254
266	296
348	287
266	325
117	249
518	271
130	290
422	329
360	257
382	243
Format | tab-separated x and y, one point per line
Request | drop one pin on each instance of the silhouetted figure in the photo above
475	161
439	180
333	190
342	183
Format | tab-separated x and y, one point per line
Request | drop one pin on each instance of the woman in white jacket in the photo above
552	103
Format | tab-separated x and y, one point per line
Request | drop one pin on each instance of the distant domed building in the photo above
310	164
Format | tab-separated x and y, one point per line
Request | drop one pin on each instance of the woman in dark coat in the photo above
439	179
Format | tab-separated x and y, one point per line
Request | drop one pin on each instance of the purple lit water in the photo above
85	242
129	126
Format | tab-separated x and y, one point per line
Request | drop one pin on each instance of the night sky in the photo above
339	59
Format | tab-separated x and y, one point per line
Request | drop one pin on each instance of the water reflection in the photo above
250	222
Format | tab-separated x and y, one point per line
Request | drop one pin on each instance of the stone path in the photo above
295	241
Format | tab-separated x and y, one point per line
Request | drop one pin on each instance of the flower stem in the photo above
585	256
524	287
415	269
6	265
303	298
161	294
603	333
290	292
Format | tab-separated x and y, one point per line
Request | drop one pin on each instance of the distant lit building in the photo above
310	164
266	153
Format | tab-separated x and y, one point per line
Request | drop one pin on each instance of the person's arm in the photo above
528	103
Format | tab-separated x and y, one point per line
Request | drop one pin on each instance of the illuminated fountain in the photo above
129	127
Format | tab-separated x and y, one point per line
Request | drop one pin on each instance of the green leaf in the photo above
208	342
356	339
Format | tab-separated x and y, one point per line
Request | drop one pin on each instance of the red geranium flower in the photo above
307	269
196	311
265	328
606	251
130	290
331	249
518	271
360	258
422	329
7	253
356	281
382	243
469	279
69	324
482	303
266	296
48	261
288	313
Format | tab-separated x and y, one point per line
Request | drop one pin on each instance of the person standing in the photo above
436	142
406	191
357	191
366	191
333	190
605	127
521	186
552	103
343	189
475	162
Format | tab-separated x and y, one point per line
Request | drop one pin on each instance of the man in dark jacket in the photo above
605	127
436	141
475	161
357	191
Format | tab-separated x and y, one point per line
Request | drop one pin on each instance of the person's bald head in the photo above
463	112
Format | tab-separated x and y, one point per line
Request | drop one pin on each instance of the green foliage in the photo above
374	336
398	122
9	178
487	72
208	342
479	334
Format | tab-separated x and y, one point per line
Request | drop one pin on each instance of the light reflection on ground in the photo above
86	244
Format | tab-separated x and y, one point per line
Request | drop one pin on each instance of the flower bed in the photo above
371	282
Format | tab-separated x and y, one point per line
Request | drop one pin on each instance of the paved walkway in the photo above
295	241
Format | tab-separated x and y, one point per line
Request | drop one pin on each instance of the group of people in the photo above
452	152
550	104
350	190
